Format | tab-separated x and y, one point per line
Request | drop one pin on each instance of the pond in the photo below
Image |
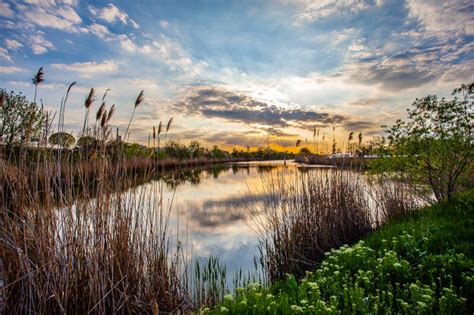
213	209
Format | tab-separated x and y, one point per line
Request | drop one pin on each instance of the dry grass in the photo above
102	255
321	210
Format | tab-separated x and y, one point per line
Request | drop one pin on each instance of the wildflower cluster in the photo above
401	276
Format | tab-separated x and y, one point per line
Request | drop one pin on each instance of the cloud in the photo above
5	55
100	31
50	14
164	24
112	14
309	10
360	125
13	44
11	69
443	18
213	102
5	10
89	67
39	45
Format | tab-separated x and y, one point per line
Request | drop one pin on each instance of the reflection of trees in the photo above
265	168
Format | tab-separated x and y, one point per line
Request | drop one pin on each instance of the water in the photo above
213	209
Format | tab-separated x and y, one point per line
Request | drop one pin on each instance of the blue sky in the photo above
238	73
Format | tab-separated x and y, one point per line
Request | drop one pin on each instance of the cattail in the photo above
139	99
360	138
100	111
298	142
111	112
160	126
154	133
314	131
168	126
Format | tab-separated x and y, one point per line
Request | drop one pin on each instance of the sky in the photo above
239	73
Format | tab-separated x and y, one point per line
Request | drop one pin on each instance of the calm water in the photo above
212	209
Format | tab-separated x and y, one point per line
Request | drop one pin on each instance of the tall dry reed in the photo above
320	210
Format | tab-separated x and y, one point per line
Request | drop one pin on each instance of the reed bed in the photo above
92	256
316	211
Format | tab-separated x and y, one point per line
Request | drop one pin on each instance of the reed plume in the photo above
168	126
87	104
111	113
63	108
37	79
100	111
138	101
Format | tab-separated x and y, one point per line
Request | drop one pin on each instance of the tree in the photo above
434	144
196	149
62	139
21	120
87	143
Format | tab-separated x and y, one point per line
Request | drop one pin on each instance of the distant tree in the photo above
304	151
434	144
62	139
196	149
21	120
87	143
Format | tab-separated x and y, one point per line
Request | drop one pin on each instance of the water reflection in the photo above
214	209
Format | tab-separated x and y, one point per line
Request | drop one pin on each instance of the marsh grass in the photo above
94	255
316	211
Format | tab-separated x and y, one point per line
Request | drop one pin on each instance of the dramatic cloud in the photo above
112	14
213	102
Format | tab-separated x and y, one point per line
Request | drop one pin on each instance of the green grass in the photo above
422	263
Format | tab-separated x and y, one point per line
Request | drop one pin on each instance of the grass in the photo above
420	263
315	212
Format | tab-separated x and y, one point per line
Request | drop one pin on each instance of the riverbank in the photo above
340	162
421	263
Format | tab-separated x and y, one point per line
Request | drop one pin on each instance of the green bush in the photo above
403	268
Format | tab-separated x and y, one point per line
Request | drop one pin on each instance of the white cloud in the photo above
5	55
13	44
5	10
111	14
100	31
309	10
164	24
89	67
11	69
52	15
39	45
442	18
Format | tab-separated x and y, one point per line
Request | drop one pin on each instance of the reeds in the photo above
100	255
317	211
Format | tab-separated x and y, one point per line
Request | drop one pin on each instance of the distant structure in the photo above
118	138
